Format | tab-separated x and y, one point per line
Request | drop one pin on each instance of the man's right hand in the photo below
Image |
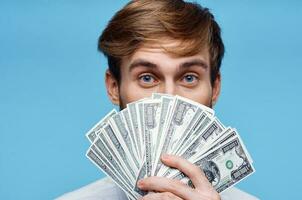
166	188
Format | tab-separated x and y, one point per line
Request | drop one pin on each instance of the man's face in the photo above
151	70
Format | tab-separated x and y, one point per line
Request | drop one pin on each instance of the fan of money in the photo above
127	145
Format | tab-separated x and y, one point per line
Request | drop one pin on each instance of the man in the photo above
164	46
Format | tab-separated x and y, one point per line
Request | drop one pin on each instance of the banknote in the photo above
202	122
127	120
108	150
227	134
134	117
224	166
100	148
205	138
183	112
166	107
119	150
92	133
209	135
118	126
151	117
127	145
100	164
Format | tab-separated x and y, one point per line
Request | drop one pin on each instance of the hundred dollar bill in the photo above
183	112
141	175
126	118
166	106
243	145
120	150
141	126
108	149
134	117
203	121
226	135
203	115
100	147
224	166
124	137
109	164
91	134
136	114
151	117
206	137
185	115
91	155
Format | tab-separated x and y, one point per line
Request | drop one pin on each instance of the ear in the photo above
216	89
112	87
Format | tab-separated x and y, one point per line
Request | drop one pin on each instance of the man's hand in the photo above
174	189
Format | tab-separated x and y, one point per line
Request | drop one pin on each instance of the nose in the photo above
169	87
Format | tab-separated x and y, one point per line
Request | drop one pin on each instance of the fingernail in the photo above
165	157
140	184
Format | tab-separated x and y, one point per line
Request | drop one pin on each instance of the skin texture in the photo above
151	69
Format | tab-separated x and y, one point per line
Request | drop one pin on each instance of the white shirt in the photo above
105	189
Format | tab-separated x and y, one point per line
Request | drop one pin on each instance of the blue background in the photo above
52	91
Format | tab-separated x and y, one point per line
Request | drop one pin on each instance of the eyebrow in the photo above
141	62
148	64
194	62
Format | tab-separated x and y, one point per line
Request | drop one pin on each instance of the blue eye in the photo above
147	78
190	78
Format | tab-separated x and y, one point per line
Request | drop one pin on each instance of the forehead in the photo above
162	54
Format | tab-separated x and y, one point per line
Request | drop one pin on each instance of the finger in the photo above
161	196
162	184
194	173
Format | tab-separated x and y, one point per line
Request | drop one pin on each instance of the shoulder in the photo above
236	194
103	189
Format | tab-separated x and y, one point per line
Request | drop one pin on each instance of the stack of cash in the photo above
127	145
